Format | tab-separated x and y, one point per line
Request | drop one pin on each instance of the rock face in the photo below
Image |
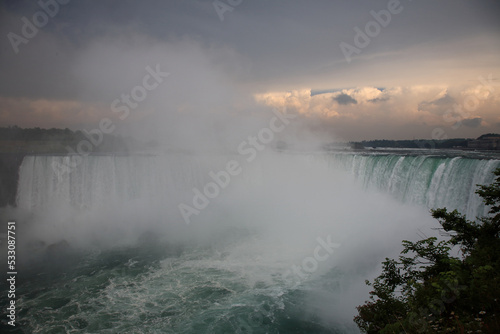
9	175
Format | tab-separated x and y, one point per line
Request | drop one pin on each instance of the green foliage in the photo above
486	135
14	139
491	194
416	143
429	291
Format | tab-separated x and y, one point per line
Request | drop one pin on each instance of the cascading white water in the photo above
427	180
161	180
124	196
100	180
108	195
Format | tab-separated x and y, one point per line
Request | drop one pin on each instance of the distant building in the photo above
485	143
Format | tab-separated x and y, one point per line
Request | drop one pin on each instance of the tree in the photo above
429	291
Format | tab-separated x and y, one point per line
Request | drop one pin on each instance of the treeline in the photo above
416	143
489	135
32	134
14	139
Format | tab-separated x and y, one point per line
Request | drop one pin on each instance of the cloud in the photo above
47	113
445	99
376	100
345	99
393	113
439	104
408	78
472	122
323	91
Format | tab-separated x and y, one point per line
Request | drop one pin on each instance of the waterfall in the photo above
161	180
428	180
252	251
99	180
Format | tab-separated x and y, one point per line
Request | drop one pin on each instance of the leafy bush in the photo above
429	291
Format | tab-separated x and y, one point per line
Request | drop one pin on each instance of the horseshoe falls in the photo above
280	244
428	180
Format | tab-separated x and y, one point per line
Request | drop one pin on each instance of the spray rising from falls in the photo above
284	247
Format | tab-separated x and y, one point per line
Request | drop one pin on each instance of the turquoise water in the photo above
154	288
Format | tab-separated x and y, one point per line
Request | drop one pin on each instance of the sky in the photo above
349	70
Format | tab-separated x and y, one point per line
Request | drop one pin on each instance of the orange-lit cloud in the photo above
397	112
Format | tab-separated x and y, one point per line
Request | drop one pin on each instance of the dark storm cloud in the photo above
345	99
